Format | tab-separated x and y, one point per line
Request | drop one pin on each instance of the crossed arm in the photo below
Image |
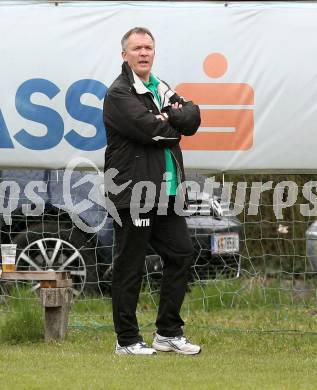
125	113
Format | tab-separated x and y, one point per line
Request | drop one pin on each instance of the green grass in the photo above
231	359
252	293
23	320
244	346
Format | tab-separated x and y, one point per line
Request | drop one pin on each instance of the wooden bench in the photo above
56	297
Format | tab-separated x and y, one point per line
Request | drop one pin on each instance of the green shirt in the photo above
171	182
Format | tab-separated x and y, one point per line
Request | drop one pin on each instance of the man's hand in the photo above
162	116
176	105
183	116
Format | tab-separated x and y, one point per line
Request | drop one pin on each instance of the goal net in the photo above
254	238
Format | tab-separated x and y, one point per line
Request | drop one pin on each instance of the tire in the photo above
61	247
217	267
153	271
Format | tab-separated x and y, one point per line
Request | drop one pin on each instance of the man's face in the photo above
139	54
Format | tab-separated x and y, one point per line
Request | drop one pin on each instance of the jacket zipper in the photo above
178	169
179	177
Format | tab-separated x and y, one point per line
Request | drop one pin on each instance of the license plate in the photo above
224	243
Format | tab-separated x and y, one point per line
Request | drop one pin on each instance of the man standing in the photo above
145	120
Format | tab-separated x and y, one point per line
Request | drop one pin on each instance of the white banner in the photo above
252	68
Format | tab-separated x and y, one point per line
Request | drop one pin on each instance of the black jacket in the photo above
136	138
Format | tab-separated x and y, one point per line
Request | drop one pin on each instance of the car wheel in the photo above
153	271
205	269
50	245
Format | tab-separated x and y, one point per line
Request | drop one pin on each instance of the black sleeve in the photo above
123	112
185	119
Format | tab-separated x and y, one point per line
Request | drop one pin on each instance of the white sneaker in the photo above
178	344
135	349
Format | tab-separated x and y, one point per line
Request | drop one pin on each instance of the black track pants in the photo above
169	236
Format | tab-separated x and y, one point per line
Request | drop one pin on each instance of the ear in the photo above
124	56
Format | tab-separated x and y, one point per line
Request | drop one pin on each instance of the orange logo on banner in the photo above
221	128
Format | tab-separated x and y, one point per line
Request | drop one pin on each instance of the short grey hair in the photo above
135	30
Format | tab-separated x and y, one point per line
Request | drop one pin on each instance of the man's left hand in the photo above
176	105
